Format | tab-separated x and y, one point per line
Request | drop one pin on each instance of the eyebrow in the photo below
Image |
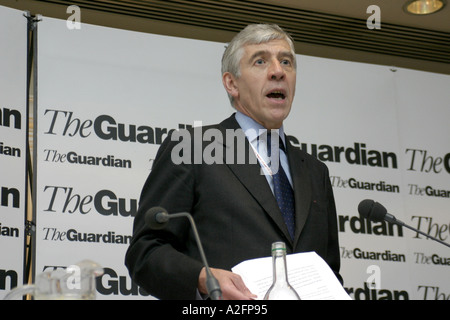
287	54
257	54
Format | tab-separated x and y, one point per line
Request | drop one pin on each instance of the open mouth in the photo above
279	95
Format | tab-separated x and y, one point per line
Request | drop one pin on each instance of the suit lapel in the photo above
249	174
302	187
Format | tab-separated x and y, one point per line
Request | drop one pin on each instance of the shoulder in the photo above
306	158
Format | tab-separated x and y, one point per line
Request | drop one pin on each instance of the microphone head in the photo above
156	218
372	210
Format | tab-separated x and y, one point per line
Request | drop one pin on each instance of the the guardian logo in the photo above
366	293
359	254
358	154
421	160
66	200
8	279
434	259
6	231
353	183
74	235
9	150
72	157
10	118
429	191
105	127
110	283
9	197
360	225
430	226
433	293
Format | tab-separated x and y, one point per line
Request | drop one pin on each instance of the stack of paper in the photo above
308	273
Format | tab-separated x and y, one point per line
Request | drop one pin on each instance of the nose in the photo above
276	71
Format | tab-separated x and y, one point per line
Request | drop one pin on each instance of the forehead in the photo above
274	47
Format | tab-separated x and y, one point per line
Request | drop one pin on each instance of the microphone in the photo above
157	218
375	211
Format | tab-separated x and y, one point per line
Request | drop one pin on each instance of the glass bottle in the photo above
280	288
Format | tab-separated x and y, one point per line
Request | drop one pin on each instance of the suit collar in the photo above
255	182
251	176
302	187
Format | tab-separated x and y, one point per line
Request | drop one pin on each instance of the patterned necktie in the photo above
283	191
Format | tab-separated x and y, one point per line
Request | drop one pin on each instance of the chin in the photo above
280	115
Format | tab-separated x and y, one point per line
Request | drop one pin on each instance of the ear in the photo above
229	82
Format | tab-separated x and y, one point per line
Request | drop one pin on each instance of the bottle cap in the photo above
278	246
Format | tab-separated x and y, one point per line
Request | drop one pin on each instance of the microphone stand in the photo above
400	223
212	285
375	211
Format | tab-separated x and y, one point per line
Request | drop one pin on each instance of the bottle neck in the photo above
279	266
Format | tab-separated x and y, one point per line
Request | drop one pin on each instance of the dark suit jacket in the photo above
236	214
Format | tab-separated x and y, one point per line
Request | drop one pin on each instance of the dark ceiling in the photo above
327	28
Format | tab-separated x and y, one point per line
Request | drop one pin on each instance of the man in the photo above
233	204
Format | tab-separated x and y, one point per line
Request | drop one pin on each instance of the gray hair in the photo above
252	34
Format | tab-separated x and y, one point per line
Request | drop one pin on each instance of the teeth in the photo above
277	94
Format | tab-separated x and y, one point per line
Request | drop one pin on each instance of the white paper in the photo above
308	273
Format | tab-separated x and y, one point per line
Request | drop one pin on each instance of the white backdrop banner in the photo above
107	99
13	117
384	133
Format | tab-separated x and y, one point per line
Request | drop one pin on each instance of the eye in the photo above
286	62
259	62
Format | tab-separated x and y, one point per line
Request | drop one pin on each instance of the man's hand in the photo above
231	284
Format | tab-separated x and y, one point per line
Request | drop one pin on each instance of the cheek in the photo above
252	93
293	83
293	93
